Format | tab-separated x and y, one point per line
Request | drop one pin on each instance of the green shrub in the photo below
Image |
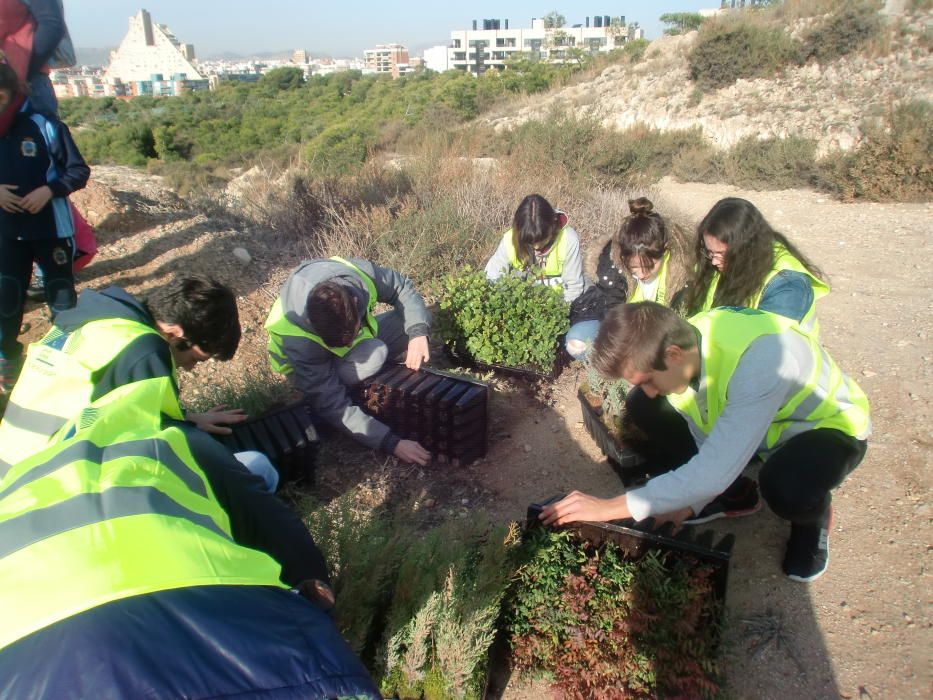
846	30
777	163
635	49
730	49
700	163
893	161
640	155
510	322
339	149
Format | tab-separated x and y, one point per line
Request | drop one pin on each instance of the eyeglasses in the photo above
711	255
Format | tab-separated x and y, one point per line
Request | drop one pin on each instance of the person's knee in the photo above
259	464
577	348
362	362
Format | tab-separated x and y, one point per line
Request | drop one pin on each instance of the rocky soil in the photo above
861	631
826	103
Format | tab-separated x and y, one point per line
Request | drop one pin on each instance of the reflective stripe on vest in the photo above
828	398
783	260
278	326
119	510
660	295
553	263
57	382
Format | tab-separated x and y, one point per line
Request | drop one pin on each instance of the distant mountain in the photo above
93	57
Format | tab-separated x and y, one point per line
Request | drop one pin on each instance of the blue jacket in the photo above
40	151
204	642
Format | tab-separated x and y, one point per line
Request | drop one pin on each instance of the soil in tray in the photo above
623	431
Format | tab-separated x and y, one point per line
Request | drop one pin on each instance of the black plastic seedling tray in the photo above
462	358
626	462
287	436
636	539
447	413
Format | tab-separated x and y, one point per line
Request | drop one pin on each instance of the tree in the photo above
681	22
285	78
554	20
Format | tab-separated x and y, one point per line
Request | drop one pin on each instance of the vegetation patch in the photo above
603	626
511	321
849	28
729	49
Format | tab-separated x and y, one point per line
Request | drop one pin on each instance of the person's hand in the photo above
676	516
418	352
216	419
412	452
36	200
579	506
10	202
318	593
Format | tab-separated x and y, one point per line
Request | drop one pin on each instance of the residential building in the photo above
149	48
478	50
435	59
300	56
387	59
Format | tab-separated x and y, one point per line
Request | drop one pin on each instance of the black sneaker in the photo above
807	554
741	498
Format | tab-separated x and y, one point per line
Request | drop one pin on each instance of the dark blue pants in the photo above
54	256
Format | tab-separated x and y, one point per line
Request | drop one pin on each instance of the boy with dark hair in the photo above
746	382
324	337
39	167
111	339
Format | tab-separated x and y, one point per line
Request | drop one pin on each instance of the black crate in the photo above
627	463
287	436
462	358
636	539
447	413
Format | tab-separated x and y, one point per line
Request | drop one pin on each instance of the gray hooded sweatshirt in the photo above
314	368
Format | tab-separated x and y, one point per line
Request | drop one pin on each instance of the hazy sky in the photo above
333	27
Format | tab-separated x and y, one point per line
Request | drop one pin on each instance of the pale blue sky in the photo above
335	28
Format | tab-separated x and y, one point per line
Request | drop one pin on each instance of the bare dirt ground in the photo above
861	631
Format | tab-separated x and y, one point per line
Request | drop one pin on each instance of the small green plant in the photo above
779	163
510	321
605	626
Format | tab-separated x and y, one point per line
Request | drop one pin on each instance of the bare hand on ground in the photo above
36	200
216	419
10	202
579	506
418	352
412	452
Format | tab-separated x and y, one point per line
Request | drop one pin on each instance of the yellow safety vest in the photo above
660	295
553	263
783	260
57	382
278	326
828	399
120	509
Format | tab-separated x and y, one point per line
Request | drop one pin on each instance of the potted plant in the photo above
509	324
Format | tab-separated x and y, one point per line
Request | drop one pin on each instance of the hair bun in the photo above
640	207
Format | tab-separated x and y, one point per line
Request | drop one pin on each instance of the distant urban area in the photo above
152	61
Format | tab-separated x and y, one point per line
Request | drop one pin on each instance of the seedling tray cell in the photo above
462	358
638	538
435	408
287	436
625	461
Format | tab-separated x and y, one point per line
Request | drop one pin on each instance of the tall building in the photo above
150	49
390	59
478	50
299	56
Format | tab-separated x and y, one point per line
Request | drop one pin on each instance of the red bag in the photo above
85	243
16	34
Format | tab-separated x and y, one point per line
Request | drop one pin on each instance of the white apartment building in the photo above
390	59
149	49
478	50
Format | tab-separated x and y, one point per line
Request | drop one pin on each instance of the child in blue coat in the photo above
39	167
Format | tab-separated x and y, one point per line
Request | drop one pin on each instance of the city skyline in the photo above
216	26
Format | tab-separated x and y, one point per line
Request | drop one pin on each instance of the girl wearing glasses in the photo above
742	261
644	260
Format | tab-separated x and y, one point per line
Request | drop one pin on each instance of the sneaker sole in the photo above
811	577
723	514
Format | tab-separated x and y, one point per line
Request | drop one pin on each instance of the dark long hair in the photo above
749	257
535	225
643	234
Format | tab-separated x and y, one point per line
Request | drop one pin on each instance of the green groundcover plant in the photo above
604	627
510	321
